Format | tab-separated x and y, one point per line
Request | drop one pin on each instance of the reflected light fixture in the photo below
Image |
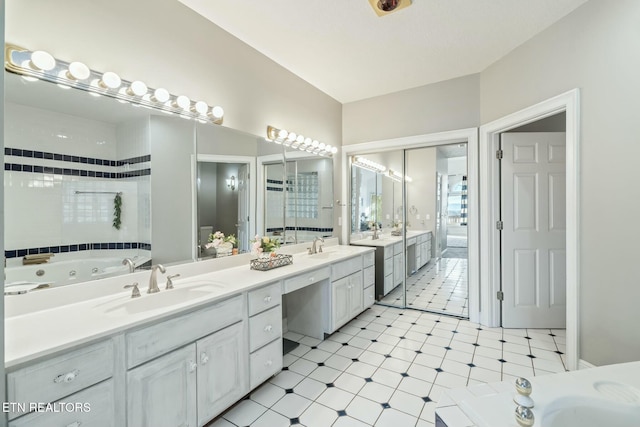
299	142
364	163
231	183
40	65
397	176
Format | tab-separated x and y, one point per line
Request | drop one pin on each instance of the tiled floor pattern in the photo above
440	286
389	367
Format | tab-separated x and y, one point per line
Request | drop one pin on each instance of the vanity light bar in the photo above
365	163
299	142
397	176
40	65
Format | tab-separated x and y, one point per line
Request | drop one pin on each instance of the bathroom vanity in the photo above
92	355
389	263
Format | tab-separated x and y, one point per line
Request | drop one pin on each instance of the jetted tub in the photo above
66	272
597	397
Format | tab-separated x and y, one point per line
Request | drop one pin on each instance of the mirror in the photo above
425	234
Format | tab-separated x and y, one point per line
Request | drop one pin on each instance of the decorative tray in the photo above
271	262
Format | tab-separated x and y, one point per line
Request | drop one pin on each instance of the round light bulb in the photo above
160	95
300	139
182	102
307	141
321	145
110	80
137	88
315	143
41	60
217	112
282	134
78	71
334	150
292	136
201	107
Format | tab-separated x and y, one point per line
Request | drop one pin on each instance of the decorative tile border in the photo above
17	253
19	167
316	229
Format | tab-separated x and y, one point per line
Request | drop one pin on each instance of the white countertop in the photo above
67	323
386	239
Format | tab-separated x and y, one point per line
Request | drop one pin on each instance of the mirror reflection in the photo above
421	243
77	185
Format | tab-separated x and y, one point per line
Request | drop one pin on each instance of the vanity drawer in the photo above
153	341
344	268
55	378
388	252
265	327
388	283
368	259
369	275
305	279
264	298
412	241
397	248
264	363
388	265
369	296
93	406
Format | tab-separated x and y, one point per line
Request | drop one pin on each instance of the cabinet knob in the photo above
268	328
204	358
66	378
267	299
192	366
312	279
268	363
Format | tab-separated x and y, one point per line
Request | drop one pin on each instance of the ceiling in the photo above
351	54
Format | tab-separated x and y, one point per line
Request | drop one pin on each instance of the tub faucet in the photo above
129	262
375	233
153	280
315	246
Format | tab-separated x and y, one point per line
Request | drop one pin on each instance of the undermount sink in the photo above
162	299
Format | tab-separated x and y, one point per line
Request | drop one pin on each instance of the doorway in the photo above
489	189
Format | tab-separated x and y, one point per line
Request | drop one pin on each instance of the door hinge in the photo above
500	296
499	154
499	225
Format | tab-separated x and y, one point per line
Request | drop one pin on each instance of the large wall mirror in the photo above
411	205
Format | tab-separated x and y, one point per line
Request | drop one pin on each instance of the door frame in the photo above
569	102
470	136
216	158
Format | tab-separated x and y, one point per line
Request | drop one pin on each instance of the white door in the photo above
534	226
243	208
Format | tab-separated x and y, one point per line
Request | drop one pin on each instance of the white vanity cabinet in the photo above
265	333
194	383
369	279
65	378
347	290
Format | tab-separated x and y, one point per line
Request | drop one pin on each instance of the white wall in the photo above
447	105
595	48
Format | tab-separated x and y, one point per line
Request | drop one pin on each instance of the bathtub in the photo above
66	272
597	397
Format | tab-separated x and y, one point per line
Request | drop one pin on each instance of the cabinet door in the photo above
356	291
162	393
223	359
340	305
398	273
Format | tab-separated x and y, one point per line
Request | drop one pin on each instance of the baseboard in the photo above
583	364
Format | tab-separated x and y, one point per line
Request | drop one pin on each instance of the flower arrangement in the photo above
231	238
264	244
215	240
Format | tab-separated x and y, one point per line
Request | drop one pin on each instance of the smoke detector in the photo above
385	7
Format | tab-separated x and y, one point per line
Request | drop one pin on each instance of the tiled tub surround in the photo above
50	156
391	367
603	396
76	320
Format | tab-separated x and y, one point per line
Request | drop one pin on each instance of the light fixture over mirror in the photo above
42	65
231	183
363	162
299	142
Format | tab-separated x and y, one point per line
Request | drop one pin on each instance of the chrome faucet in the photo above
129	262
375	232
153	280
315	246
